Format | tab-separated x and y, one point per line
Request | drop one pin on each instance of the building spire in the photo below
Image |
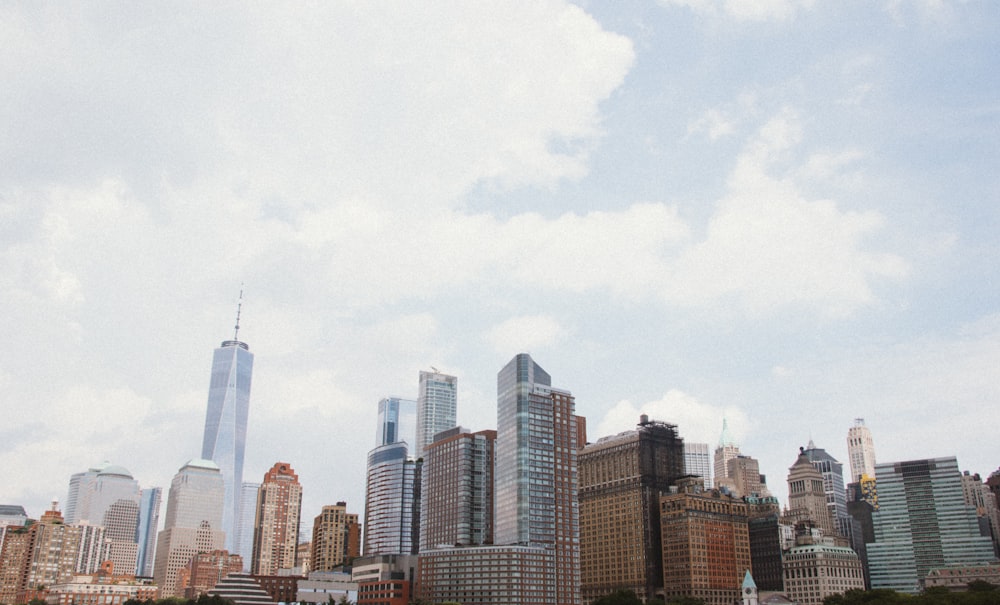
725	438
239	308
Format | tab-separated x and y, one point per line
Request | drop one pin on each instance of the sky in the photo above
784	213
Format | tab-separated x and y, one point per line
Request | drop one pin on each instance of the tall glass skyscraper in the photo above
226	424
145	535
396	421
922	523
437	408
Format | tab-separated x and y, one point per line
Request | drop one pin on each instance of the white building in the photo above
860	450
437	408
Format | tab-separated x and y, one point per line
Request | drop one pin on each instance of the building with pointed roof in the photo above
724	452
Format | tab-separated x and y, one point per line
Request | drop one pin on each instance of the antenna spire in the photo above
239	308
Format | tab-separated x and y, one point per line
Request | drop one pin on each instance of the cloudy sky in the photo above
780	212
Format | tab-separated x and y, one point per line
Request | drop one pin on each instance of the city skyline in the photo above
783	215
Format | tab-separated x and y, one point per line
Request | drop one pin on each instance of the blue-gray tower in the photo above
226	422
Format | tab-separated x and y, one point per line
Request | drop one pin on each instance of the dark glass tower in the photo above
226	424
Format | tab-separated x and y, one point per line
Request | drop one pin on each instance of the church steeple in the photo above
749	590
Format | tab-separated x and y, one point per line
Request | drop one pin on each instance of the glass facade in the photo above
226	425
437	408
391	511
397	421
922	523
149	520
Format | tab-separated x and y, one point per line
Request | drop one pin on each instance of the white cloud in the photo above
696	421
746	10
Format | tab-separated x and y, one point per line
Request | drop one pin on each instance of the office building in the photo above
334	538
698	462
763	516
206	569
620	482
192	523
385	579
922	523
107	495
226	416
833	487
437	408
243	540
978	495
276	530
700	527
744	472
860	450
456	506
807	495
392	501
724	452
145	536
397	422
816	569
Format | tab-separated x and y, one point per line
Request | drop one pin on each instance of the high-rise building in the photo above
457	492
536	469
833	487
807	495
226	417
392	501
397	421
334	538
724	452
192	524
243	540
744	471
698	462
276	530
763	515
922	523
107	495
860	450
437	408
37	556
621	479
978	495
706	544
145	535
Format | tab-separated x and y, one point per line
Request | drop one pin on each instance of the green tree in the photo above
622	596
686	600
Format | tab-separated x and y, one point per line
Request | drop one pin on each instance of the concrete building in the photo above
322	586
437	408
109	496
226	415
816	569
392	501
957	579
698	462
37	556
489	575
94	590
334	538
807	495
744	471
706	544
833	487
192	524
385	579
276	530
860	450
977	494
242	589
922	523
724	452
456	506
620	482
763	516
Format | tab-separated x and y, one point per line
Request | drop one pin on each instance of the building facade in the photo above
276	530
922	523
334	538
706	544
724	452
536	476
226	416
392	501
833	487
744	471
36	556
489	575
763	515
206	569
860	451
437	408
807	495
698	462
193	522
109	496
456	506
814	571
620	482
149	521
397	421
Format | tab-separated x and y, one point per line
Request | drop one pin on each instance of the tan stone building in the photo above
814	570
276	529
335	538
621	479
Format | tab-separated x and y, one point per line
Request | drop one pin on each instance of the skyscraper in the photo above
744	471
726	451
226	422
243	540
807	495
397	422
860	450
276	530
437	408
392	501
698	461
334	537
833	486
38	556
108	495
922	523
145	535
536	469
192	524
621	478
457	491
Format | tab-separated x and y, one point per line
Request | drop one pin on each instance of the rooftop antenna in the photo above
239	308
